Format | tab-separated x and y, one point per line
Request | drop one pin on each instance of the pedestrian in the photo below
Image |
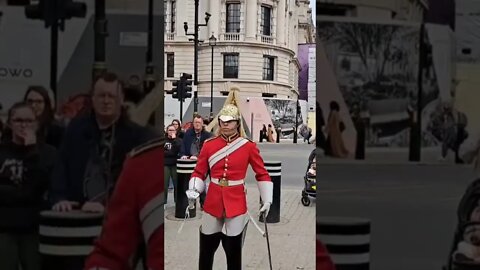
172	147
176	123
193	141
263	134
135	212
50	130
320	139
270	133
449	139
25	167
461	135
93	152
227	157
335	144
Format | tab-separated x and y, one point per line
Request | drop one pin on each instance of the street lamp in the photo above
212	41
196	28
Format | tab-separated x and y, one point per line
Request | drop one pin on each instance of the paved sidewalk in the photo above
292	240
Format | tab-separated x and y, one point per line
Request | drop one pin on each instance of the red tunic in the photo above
323	260
228	201
135	211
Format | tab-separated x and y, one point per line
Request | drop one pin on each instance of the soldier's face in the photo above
228	128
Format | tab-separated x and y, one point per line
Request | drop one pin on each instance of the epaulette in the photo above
150	145
211	138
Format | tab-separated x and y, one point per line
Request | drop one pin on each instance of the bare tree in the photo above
371	42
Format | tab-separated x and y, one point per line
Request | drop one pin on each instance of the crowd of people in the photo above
61	165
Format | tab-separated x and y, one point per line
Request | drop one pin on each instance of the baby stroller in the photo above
465	251
310	189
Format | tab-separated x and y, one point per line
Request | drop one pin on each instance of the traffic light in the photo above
37	11
176	90
68	9
187	85
51	11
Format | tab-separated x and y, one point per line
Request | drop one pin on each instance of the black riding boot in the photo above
233	250
208	245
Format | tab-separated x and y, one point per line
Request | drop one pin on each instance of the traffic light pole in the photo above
54	55
195	61
99	65
149	82
416	125
180	96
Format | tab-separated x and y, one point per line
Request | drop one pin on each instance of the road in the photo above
412	208
294	158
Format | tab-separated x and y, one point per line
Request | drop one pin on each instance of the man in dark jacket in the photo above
193	139
93	151
192	143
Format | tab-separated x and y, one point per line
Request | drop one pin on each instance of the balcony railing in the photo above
170	36
266	39
231	37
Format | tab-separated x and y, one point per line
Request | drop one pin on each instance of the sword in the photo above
255	223
268	242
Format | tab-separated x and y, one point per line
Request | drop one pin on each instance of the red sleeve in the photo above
323	260
256	161
201	169
156	250
121	231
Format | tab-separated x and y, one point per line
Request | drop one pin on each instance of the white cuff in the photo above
266	191
197	184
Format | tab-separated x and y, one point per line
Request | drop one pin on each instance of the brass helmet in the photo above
229	112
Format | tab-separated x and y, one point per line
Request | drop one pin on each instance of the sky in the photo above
313	4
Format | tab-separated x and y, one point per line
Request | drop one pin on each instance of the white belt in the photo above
226	183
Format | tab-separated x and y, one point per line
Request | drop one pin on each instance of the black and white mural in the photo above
376	68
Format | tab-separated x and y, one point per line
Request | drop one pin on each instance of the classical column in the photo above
251	23
281	23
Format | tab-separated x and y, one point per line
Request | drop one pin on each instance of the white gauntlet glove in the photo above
266	193
195	187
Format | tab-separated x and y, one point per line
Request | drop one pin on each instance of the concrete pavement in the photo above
292	240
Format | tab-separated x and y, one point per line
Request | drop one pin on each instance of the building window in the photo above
170	65
268	67
233	18
230	65
266	23
172	16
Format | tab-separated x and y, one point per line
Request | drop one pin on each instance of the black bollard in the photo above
347	241
279	132
185	168
261	136
274	169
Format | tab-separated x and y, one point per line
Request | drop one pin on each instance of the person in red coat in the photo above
323	259
135	210
226	158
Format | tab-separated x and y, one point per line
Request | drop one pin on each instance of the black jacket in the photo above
190	137
172	151
81	136
24	177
